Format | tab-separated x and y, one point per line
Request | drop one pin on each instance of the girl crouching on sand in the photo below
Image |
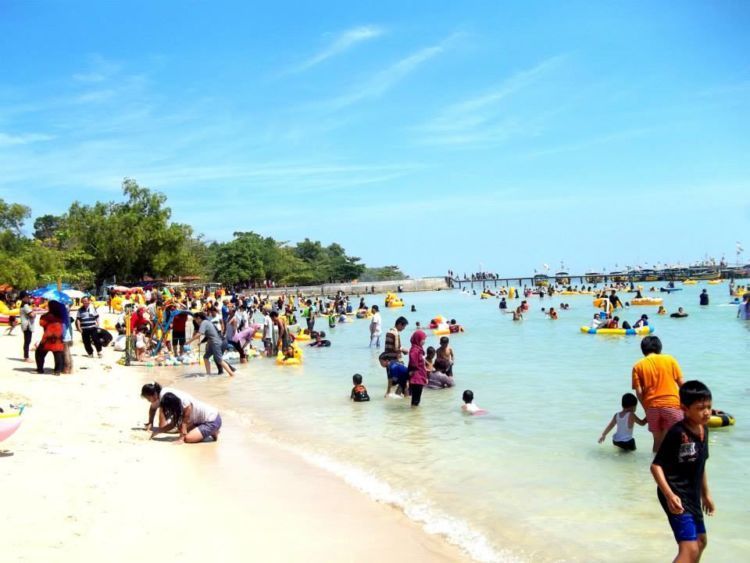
195	422
153	392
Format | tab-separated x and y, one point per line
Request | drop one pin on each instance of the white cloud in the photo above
7	140
342	43
384	80
481	118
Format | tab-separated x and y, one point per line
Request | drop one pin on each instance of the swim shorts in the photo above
628	446
686	526
662	418
215	351
209	428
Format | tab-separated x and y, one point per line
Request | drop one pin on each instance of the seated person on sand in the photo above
679	314
195	421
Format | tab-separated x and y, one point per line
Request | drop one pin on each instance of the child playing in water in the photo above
624	420
679	472
445	352
359	391
429	359
469	407
320	341
454	327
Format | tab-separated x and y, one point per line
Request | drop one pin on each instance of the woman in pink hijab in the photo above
417	368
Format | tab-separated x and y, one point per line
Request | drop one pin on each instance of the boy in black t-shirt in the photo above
679	471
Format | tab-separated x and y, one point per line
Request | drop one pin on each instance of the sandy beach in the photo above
82	481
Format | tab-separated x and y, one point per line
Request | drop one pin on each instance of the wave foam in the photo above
433	521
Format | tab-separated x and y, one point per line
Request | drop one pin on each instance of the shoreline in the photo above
87	483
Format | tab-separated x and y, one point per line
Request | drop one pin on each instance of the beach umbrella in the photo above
74	293
51	294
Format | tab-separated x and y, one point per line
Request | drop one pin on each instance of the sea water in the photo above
528	481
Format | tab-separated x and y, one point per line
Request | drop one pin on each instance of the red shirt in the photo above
53	333
178	323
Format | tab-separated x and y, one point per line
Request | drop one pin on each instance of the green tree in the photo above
46	228
13	216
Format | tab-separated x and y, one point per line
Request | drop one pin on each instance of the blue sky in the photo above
429	135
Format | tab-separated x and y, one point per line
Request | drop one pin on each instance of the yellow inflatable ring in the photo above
641	331
720	420
647	301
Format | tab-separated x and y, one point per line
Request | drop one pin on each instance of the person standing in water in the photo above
213	345
657	379
376	324
417	368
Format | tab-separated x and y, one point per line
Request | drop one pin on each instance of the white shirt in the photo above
375	324
185	398
202	412
267	327
471	408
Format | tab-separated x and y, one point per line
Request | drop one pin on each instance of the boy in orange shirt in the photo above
657	379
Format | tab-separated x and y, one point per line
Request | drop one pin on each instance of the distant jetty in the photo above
359	288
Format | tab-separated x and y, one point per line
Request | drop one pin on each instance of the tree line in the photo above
135	239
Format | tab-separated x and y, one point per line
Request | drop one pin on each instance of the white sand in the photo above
80	481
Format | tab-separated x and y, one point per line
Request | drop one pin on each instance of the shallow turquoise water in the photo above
527	482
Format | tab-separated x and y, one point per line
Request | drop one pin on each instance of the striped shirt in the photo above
87	317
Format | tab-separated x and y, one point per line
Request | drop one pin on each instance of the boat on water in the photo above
562	278
541	280
620	277
594	277
705	274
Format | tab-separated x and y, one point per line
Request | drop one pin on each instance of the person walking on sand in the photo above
657	379
28	319
87	323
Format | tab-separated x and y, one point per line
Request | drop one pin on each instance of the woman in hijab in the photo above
417	369
53	322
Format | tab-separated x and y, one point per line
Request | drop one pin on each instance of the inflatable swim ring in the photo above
485	296
302	336
395	303
689	282
288	361
9	423
714	282
720	419
642	331
647	301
